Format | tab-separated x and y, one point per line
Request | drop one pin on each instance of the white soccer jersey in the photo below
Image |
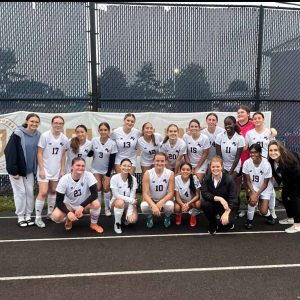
195	147
263	139
53	150
121	186
258	174
212	139
76	192
184	187
158	184
148	150
173	152
126	144
102	153
229	148
82	152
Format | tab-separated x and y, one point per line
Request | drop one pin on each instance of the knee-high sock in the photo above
39	204
107	197
118	212
51	203
95	215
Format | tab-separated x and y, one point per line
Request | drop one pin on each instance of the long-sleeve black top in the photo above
225	189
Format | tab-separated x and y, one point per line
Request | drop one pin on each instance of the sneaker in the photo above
273	213
178	219
242	213
39	223
30	222
248	224
117	228
149	223
230	226
292	229
212	230
96	228
270	220
68	224
167	221
287	221
23	224
107	212
193	221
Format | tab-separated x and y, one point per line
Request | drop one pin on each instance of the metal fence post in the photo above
92	8
259	57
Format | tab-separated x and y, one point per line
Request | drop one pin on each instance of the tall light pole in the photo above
176	72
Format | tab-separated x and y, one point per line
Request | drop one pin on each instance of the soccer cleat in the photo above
178	219
68	224
287	221
248	224
117	228
39	223
292	229
96	228
149	223
107	212
270	220
193	221
167	221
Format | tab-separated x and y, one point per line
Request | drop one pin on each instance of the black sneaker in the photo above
270	220
248	224
212	230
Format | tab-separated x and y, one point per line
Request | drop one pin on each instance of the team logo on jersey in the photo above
72	188
165	180
266	138
50	144
82	183
106	149
234	143
199	145
177	151
132	138
86	150
261	172
61	144
153	181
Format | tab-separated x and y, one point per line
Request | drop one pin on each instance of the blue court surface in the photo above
175	263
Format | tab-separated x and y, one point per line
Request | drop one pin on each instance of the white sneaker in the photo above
39	223
107	212
273	213
287	221
117	228
292	229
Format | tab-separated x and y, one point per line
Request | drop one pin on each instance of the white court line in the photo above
233	268
139	236
15	217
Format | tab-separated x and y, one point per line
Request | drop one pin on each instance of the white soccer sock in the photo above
118	212
51	203
39	204
95	215
250	212
107	197
272	200
268	213
100	199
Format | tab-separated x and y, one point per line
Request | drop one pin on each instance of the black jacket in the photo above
226	189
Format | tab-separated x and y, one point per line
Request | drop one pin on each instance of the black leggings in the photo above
292	207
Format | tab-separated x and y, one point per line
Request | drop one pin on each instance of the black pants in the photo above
212	209
292	207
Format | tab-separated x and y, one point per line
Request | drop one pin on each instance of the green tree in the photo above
146	86
191	83
112	84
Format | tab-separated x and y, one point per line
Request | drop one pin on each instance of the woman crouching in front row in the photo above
76	194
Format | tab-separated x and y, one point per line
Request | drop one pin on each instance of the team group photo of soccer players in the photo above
204	170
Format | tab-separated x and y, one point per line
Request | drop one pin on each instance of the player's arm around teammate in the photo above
123	186
187	194
80	190
158	191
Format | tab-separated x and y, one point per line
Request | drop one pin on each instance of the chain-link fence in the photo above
72	56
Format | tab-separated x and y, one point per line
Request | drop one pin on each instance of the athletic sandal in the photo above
30	222
68	225
96	228
193	221
22	224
